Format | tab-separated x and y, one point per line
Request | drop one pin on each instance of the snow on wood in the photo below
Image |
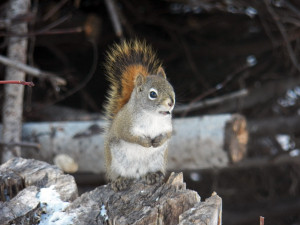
50	198
47	192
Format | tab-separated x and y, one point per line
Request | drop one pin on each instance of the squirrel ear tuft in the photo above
139	80
161	72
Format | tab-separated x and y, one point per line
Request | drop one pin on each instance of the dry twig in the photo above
284	35
111	7
54	9
21	144
211	102
41	32
216	88
32	71
87	78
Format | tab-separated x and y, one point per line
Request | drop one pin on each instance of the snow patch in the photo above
251	60
103	212
294	153
251	12
284	141
54	207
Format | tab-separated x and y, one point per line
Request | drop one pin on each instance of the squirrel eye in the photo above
152	94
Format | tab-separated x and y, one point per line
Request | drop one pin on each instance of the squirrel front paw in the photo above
159	140
153	177
121	183
146	142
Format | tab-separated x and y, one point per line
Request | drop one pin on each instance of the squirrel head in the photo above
153	93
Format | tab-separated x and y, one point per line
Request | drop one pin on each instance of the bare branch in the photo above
285	37
21	144
211	102
111	7
87	78
218	86
54	9
32	71
43	32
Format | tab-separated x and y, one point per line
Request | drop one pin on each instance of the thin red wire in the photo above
30	84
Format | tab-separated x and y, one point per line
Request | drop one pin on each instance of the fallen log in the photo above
199	142
49	194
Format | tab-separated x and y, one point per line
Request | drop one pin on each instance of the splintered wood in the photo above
10	184
165	204
26	181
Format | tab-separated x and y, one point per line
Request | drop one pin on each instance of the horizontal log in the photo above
199	142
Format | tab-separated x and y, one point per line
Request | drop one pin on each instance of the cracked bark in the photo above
141	204
13	99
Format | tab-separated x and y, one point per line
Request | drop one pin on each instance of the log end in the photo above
236	138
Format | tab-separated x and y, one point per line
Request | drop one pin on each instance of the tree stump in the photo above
50	197
26	207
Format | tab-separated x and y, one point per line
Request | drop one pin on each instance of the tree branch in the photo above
32	71
111	7
210	102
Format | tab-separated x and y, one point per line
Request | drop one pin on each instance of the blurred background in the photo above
234	56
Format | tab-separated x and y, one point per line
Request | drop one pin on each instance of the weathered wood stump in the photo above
10	185
26	207
50	197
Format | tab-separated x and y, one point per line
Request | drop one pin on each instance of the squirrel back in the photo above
124	63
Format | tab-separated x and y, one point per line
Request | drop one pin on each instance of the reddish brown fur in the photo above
124	63
128	83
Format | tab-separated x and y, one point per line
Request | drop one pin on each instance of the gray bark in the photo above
13	98
204	213
140	204
25	208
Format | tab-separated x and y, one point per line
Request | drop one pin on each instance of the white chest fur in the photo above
133	160
151	124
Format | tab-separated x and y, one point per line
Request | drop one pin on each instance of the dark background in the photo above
204	46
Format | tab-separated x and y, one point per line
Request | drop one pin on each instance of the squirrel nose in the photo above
171	102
